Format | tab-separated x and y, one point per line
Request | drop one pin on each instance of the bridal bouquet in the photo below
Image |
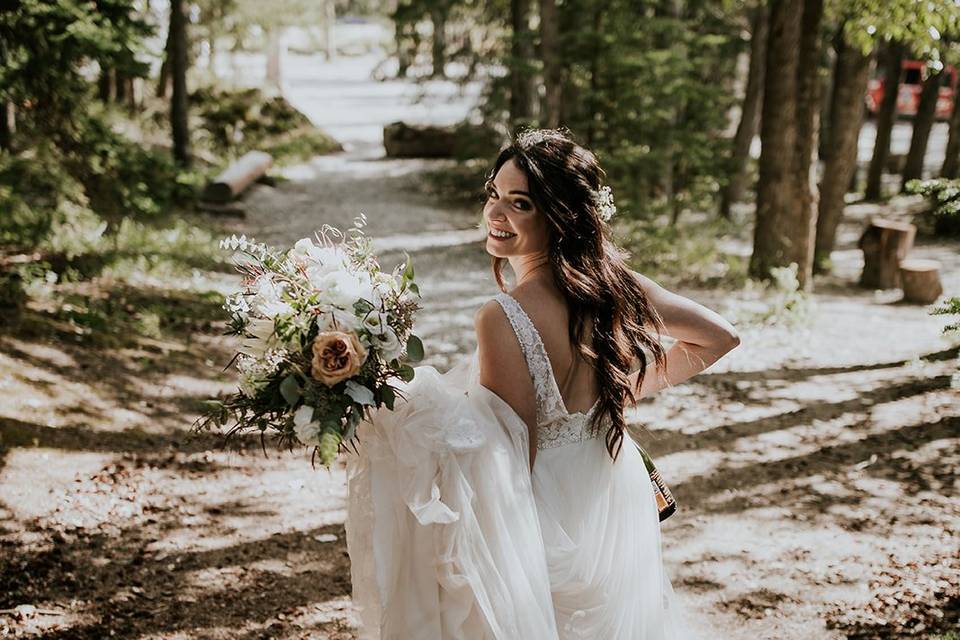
326	332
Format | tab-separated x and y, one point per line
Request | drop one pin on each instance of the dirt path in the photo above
816	468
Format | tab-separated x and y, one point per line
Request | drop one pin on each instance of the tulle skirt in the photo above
451	537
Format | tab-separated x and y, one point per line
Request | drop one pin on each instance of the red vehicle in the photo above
911	83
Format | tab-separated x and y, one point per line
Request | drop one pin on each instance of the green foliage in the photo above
648	91
780	301
689	253
45	45
122	177
949	307
944	195
234	122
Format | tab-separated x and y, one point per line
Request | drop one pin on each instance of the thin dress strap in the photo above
549	402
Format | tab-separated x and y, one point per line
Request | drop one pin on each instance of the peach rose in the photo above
337	355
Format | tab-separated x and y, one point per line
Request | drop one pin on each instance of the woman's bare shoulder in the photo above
546	308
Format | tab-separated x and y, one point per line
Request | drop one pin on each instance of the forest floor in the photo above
817	466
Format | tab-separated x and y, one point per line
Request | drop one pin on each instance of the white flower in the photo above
261	338
389	344
343	288
267	301
306	428
336	319
605	206
376	323
255	374
359	393
326	259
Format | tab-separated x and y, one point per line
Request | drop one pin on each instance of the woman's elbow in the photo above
731	340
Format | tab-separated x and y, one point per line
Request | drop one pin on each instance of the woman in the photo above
505	499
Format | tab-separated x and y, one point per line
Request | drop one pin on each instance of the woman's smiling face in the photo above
514	225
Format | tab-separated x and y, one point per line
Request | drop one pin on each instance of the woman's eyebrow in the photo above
490	183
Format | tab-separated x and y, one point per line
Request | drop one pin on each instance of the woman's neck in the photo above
534	266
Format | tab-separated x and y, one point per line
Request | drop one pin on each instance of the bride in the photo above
505	498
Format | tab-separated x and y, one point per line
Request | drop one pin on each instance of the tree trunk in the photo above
274	75
851	75
6	125
594	75
951	160
809	87
786	200
749	117
438	16
522	88
886	118
550	55
178	72
106	85
329	21
922	124
885	243
163	81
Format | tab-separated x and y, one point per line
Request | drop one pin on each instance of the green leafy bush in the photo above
234	122
943	217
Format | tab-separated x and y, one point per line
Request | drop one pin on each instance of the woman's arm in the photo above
703	337
503	369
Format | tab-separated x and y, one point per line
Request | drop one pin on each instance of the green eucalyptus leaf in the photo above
414	348
388	397
290	389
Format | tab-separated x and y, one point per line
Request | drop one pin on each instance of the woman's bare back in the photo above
548	310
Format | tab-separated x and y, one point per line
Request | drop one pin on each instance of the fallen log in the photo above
884	244
920	280
237	177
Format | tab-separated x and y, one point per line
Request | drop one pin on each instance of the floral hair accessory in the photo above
605	206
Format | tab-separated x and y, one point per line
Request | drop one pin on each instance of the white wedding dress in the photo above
451	536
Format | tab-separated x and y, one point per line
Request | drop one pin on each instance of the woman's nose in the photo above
496	213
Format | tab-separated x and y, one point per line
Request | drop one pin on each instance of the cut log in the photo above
237	177
884	243
920	280
401	140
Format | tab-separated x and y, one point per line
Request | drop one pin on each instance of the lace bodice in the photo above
555	425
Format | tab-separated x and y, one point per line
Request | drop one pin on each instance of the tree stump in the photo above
921	280
237	177
884	243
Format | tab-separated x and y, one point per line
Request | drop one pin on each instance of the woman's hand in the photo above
703	337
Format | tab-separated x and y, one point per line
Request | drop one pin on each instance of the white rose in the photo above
376	323
389	344
306	428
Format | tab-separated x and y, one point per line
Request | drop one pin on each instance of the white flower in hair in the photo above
605	205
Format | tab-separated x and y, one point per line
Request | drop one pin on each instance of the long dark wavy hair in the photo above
591	270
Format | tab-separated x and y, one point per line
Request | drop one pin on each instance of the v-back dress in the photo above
598	517
452	536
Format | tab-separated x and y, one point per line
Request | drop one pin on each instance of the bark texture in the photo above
851	75
750	113
922	124
550	56
786	193
178	72
522	87
885	120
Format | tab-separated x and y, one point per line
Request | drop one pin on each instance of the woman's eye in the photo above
522	204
